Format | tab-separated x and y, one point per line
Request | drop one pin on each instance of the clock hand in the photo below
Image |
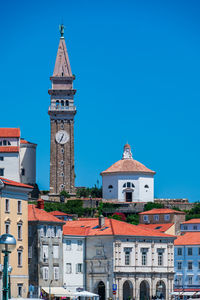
62	137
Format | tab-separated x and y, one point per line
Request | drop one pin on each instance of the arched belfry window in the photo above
62	102
128	185
67	103
57	103
110	186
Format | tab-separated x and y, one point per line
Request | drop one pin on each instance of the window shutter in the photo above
41	231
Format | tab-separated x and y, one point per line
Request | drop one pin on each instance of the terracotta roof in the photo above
192	221
161	211
127	146
189	238
15	183
6	149
36	214
23	141
111	227
126	166
159	227
9	132
59	213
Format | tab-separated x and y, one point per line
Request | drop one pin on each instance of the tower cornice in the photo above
54	92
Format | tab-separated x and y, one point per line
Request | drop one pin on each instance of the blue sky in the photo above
137	78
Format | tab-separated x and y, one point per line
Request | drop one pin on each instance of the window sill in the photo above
19	266
7	211
19	213
20	240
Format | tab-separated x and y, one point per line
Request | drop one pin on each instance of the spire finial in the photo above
61	29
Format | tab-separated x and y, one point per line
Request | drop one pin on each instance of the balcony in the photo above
60	108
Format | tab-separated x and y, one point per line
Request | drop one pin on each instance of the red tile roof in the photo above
15	183
189	238
23	141
59	213
161	211
111	227
6	149
159	227
9	132
192	221
127	166
36	214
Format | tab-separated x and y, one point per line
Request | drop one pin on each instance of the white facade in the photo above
128	180
141	267
17	159
141	186
28	163
73	262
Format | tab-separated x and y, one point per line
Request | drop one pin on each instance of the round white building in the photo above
128	180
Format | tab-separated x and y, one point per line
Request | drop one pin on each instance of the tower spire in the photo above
62	66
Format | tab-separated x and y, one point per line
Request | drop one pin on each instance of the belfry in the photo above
62	112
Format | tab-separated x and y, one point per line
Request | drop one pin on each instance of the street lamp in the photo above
7	245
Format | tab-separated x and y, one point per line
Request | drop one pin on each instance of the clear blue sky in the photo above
137	67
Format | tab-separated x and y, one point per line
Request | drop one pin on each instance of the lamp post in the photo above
7	245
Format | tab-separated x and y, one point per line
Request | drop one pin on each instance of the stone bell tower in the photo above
62	112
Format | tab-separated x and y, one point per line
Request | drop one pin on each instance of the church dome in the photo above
127	164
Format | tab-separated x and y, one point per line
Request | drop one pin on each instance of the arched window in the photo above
124	185
67	103
132	185
57	103
110	186
146	186
62	102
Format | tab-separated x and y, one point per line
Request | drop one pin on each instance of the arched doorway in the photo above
127	290
144	290
161	290
101	290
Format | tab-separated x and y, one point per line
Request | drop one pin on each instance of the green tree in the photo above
151	205
133	219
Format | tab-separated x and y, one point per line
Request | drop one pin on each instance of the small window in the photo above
4	143
179	251
19	206
45	273
128	184
62	174
67	103
68	245
144	258
57	103
0	143
62	151
185	227
7	206
7	228
1	172
167	217
145	218
179	265
190	279
160	258
19	232
19	258
110	186
195	227
80	245
68	268
189	251
156	217
55	251
199	251
146	186
189	265
1	158
56	273
199	265
127	258
23	172
62	162
124	185
132	185
62	102
79	268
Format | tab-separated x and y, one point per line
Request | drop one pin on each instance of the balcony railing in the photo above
61	108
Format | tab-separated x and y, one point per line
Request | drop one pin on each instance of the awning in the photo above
85	294
58	291
176	293
189	293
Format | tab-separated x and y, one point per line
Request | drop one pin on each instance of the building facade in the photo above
14	220
62	112
45	257
192	225
163	216
17	157
128	180
140	262
74	259
187	264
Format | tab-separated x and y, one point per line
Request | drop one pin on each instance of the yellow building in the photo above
14	220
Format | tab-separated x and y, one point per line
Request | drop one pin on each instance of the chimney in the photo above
101	221
40	204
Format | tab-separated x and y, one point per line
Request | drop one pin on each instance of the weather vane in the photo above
61	29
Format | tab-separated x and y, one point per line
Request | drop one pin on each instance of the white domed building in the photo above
128	180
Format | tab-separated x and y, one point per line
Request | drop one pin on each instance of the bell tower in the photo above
62	112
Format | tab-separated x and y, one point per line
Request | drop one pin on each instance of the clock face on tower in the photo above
62	137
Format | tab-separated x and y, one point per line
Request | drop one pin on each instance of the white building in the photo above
128	180
17	157
139	261
73	257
